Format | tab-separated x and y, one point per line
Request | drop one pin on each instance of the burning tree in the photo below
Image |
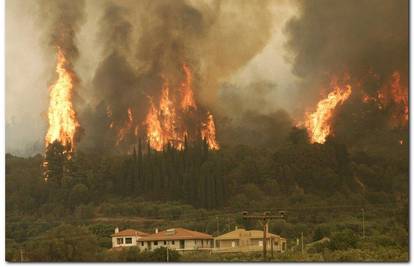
318	123
63	122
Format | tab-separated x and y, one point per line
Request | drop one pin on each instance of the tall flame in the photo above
318	123
186	89
168	115
63	122
154	130
165	124
208	132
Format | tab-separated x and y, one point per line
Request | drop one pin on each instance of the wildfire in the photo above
168	114
400	97
318	123
392	96
154	130
128	125
186	89
165	124
208	132
63	122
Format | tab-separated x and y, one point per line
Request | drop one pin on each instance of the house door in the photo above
182	244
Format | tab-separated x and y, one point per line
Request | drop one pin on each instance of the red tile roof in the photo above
176	234
130	232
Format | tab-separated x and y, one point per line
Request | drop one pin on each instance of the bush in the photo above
343	240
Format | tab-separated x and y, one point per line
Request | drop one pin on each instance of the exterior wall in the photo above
175	244
124	244
227	243
249	244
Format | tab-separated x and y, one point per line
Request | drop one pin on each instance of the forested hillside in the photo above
323	187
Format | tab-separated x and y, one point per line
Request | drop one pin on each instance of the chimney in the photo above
156	230
116	230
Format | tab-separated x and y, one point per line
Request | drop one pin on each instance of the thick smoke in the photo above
61	21
356	36
365	39
247	115
114	84
146	43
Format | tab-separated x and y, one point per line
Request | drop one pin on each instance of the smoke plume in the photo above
146	43
366	41
333	37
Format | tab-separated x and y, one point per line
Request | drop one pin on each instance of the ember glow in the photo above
63	122
318	123
392	96
127	128
400	98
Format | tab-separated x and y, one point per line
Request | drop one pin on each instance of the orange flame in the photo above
168	114
63	122
124	130
318	123
187	101
400	97
165	127
154	130
208	132
392	96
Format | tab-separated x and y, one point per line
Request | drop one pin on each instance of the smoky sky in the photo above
146	43
252	61
366	39
331	37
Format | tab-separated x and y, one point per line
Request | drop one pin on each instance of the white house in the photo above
179	239
126	238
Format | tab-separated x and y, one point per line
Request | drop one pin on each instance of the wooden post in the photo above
271	245
302	242
21	255
363	223
265	218
265	221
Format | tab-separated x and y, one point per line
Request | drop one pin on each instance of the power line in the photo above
265	218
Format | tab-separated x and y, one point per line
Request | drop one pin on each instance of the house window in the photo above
120	241
165	242
260	243
142	243
155	243
283	246
173	242
128	240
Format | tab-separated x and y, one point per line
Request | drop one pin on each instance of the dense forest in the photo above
323	188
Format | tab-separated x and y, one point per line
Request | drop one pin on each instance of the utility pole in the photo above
363	223
265	218
271	245
301	236
218	229
168	256
21	255
265	229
